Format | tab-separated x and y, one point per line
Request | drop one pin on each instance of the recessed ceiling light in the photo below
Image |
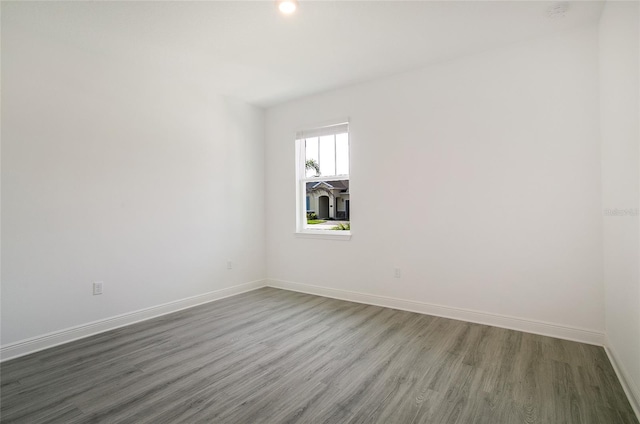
287	6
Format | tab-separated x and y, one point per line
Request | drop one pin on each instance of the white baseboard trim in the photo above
512	323
629	386
35	344
27	346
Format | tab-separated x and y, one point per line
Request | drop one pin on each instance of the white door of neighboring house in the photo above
323	207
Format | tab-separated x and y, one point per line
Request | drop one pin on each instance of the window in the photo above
322	178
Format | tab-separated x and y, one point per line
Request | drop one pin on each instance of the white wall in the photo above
479	178
619	98
118	171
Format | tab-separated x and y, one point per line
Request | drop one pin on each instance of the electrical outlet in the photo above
229	264
97	288
396	272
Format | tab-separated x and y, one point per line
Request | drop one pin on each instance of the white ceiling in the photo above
247	49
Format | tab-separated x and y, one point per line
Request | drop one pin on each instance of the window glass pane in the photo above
327	155
311	153
328	205
342	154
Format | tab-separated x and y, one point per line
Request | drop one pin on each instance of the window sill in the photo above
325	234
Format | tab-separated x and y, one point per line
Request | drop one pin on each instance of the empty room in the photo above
178	242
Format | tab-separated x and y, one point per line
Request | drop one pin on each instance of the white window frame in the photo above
302	229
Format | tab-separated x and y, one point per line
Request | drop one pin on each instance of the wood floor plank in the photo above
274	356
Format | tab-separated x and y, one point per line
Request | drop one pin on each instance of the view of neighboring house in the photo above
329	199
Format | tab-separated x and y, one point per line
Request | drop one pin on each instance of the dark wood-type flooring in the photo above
275	356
